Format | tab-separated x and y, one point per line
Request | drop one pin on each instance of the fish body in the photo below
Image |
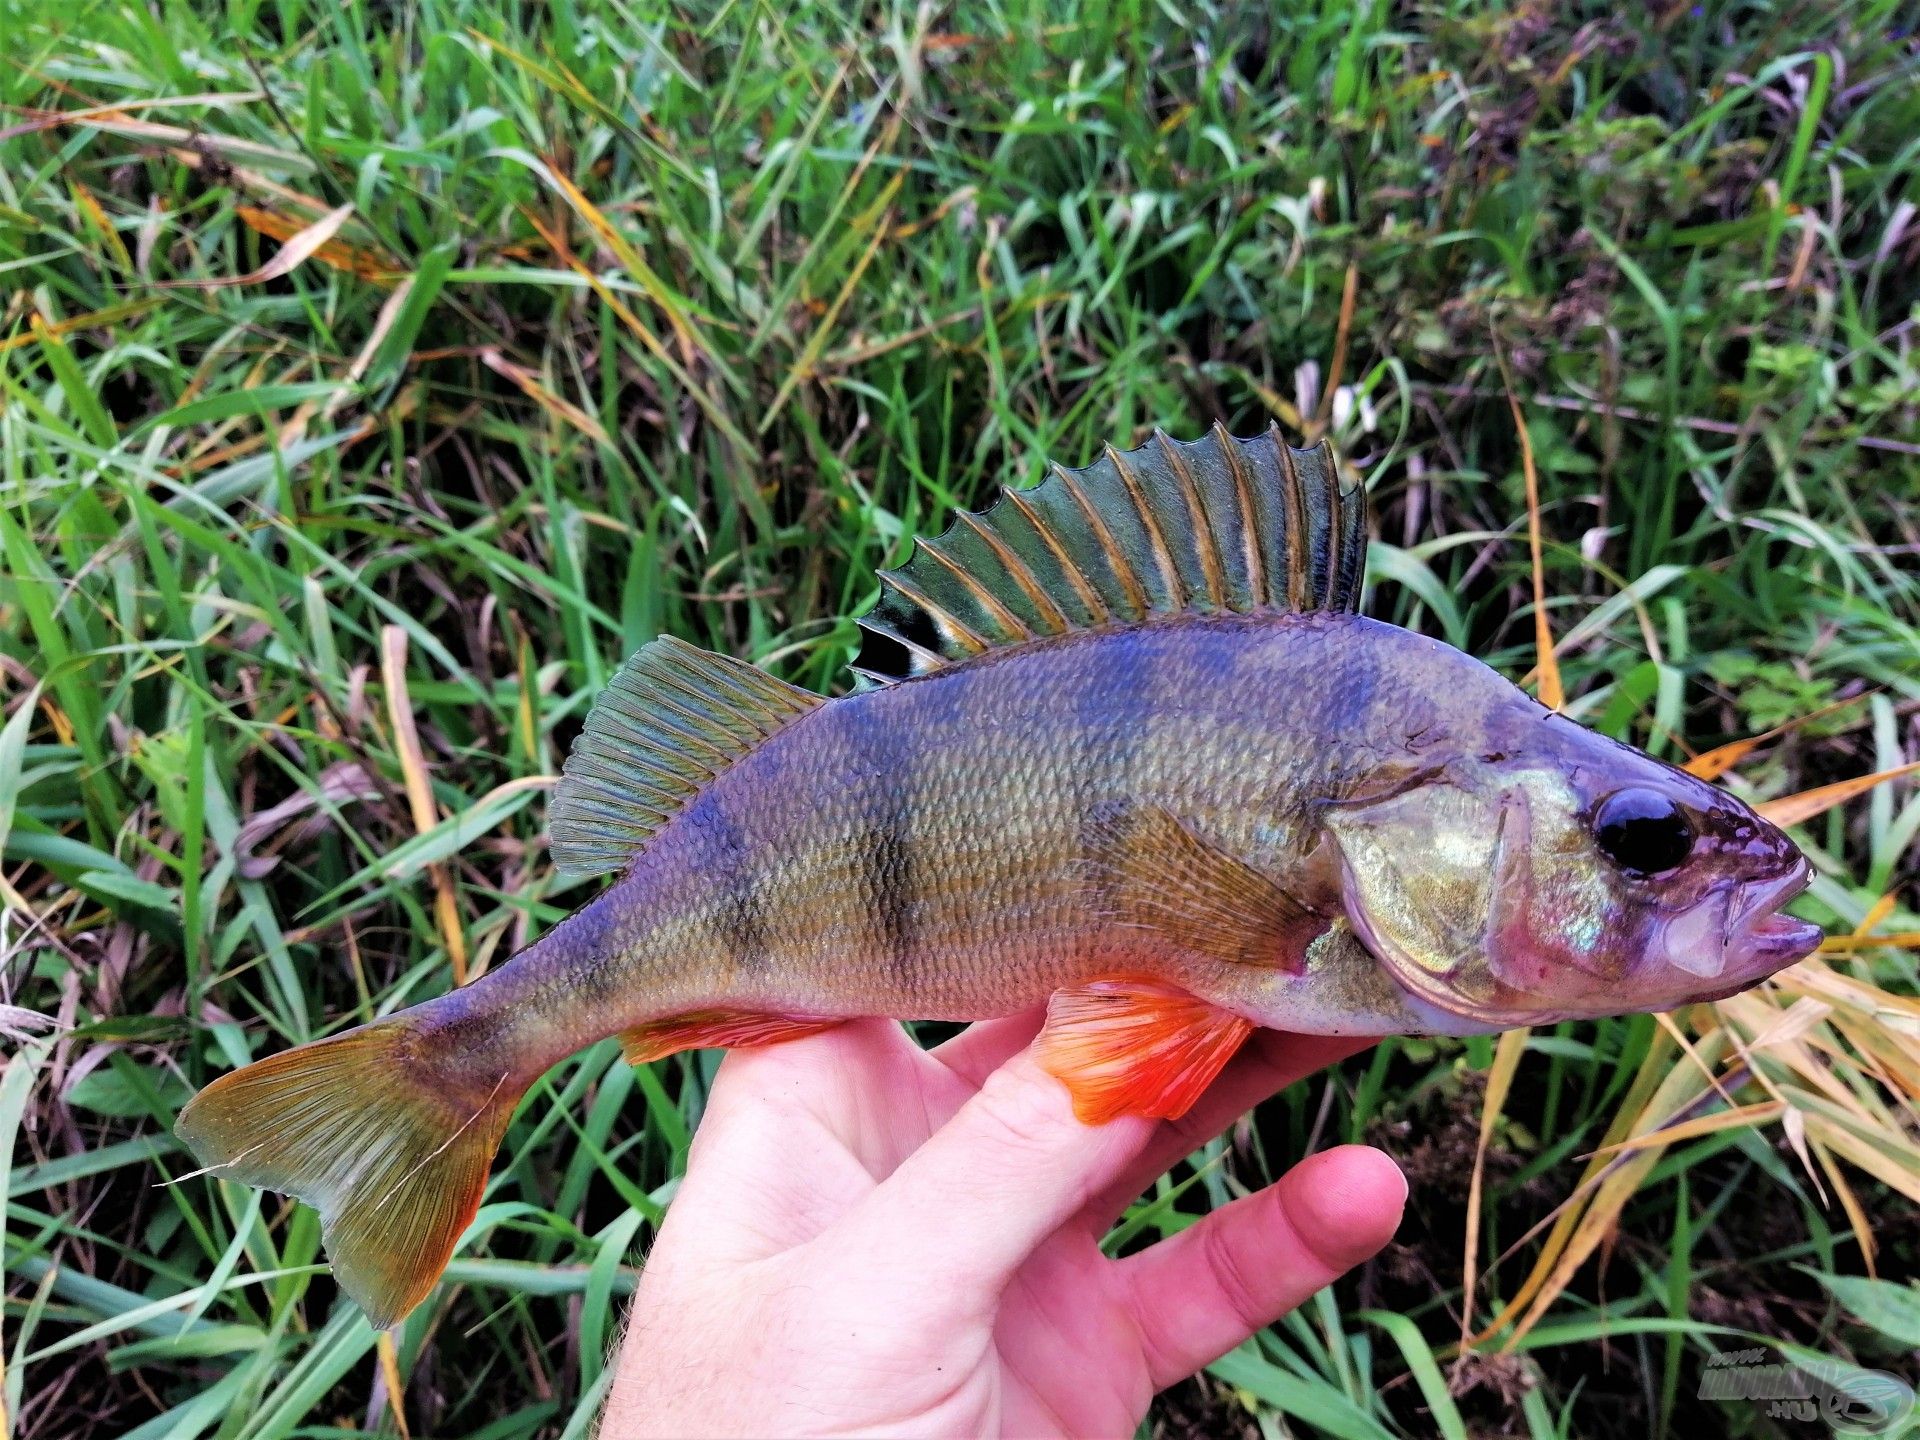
1146	767
934	848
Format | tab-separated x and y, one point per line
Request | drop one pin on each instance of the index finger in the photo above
1270	1061
1010	1168
984	1046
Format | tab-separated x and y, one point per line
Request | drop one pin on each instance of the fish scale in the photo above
1138	759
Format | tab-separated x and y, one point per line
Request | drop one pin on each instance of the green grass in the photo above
647	323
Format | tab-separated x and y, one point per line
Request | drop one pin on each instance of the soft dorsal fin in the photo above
673	718
1211	525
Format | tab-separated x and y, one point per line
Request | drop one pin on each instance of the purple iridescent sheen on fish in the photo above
1137	759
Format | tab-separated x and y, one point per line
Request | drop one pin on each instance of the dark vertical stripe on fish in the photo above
1112	712
1116	700
1350	694
889	879
887	860
723	854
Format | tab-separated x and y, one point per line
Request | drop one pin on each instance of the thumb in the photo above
1011	1167
1201	1292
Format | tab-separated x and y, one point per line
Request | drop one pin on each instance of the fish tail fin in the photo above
390	1143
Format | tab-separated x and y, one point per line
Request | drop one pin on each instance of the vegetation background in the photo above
375	375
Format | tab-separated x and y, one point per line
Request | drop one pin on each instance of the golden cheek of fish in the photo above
1137	759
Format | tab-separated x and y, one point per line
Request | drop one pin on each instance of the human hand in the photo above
875	1239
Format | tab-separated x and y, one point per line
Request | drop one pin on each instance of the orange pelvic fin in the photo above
1130	1046
715	1030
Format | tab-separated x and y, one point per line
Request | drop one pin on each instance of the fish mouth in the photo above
1743	935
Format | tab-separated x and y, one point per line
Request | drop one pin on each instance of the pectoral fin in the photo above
1135	1047
1152	873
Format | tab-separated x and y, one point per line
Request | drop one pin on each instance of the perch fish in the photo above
1141	761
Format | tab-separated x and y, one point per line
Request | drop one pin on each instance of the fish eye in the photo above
1642	831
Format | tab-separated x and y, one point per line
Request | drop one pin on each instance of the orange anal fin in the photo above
1135	1047
714	1030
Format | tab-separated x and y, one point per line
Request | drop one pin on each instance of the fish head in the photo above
1554	874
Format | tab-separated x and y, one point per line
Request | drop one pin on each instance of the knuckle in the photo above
1245	1300
1021	1106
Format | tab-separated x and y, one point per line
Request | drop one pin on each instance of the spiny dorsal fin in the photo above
1211	525
673	718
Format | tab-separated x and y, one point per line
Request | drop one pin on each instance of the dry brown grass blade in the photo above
119	109
1877	913
113	120
1336	370
1740	1116
1894	1064
1795	1021
1743	1017
699	393
1800	808
1868	1150
1811	978
1863	937
413	768
1882	1048
1853	944
1546	671
447	912
1506	1060
1281	408
93	320
1645	1083
1859	1061
1664	1019
880	216
691	341
561	409
1682	1087
1781	1033
1842	1057
557	242
390	1373
298	248
1793	1125
365	264
406	736
1712	764
1513	1043
109	236
1856	1213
